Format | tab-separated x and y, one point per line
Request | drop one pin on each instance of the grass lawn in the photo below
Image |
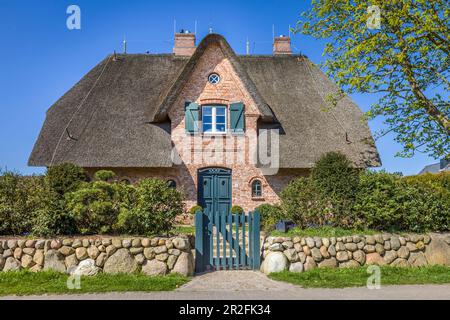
26	282
357	277
325	231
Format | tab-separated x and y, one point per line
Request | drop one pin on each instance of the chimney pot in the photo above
282	45
184	43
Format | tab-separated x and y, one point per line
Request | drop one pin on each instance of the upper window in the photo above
214	78
256	189
214	119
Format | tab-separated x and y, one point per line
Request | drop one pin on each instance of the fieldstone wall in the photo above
298	254
152	256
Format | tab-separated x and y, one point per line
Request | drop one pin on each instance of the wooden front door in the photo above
214	190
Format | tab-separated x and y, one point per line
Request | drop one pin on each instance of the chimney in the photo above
282	45
184	43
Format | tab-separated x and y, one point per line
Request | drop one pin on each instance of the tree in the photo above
405	61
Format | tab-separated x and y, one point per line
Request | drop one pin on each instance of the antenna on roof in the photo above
273	32
114	56
124	45
210	30
247	46
195	28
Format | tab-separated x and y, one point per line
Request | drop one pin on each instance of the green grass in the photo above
357	277
325	231
26	283
183	230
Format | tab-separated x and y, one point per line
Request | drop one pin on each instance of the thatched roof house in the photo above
128	114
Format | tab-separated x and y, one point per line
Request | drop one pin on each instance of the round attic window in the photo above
214	78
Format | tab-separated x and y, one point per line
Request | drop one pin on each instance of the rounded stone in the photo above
185	264
296	267
121	262
117	243
136	243
81	253
275	262
328	263
154	268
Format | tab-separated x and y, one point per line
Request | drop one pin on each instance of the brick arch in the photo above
260	178
214	101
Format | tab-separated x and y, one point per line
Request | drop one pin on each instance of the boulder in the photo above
100	261
342	256
136	243
417	259
288	244
81	253
160	249
302	257
291	254
400	262
154	268
359	256
162	256
66	250
349	264
11	264
117	243
315	253
351	246
139	258
93	252
318	242
27	261
149	253
310	263
171	261
390	256
340	246
403	252
437	251
2	262
110	250
185	264
181	243
395	243
54	260
328	263
332	250
126	243
374	258
276	247
86	268
324	252
296	267
121	262
134	250
370	240
310	242
275	262
71	261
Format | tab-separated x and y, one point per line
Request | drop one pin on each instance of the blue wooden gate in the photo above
227	241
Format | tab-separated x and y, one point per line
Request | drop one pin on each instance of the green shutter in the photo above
192	117
237	121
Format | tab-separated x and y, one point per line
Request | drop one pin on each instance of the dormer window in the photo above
214	119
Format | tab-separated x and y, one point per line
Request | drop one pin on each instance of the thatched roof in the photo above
116	115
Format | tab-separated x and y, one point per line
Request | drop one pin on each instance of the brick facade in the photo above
228	151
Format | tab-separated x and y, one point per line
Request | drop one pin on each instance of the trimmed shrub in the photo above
302	203
270	215
193	210
20	198
95	207
104	175
155	208
237	209
65	177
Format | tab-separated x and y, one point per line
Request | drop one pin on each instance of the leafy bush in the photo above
104	175
270	215
155	208
20	198
193	210
237	209
95	207
64	178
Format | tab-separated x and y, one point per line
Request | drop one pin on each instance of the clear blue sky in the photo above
40	59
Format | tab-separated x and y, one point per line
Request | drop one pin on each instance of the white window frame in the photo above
214	119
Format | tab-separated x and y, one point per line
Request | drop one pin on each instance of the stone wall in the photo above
85	256
298	254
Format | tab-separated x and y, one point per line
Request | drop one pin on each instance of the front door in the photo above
214	190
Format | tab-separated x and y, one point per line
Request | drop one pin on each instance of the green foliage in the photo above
405	62
95	207
324	232
154	210
193	210
20	198
64	178
237	209
270	215
104	175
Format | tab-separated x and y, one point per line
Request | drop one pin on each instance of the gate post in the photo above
200	253
256	241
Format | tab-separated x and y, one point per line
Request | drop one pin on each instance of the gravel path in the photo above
252	285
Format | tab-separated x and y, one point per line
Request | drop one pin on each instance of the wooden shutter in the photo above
237	117
192	117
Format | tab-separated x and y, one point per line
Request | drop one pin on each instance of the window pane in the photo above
207	127
220	119
207	111
256	188
220	111
220	127
207	119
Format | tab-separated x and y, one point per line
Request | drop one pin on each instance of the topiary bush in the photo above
237	209
104	175
270	215
154	210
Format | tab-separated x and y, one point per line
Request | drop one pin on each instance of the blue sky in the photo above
40	59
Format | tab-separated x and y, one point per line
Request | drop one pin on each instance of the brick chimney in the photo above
282	45
184	43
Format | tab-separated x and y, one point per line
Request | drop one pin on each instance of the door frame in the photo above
213	171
